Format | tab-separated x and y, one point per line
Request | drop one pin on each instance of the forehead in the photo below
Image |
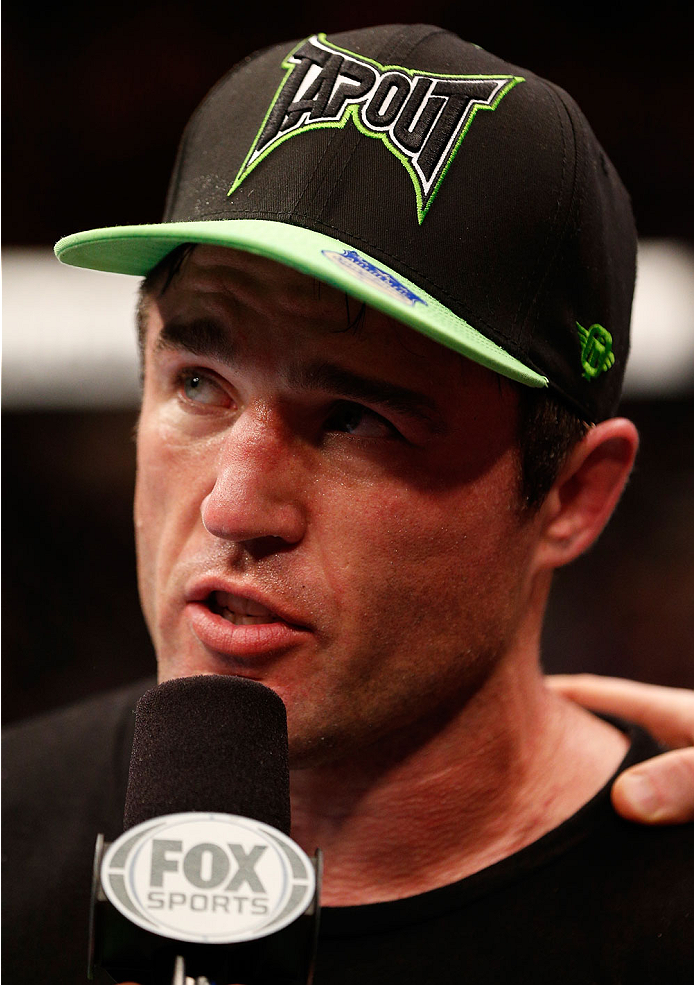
280	314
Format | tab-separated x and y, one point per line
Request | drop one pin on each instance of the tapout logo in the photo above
211	878
421	117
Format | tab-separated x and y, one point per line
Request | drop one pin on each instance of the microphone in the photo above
205	885
209	743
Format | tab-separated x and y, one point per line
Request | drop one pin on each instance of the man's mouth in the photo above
240	626
240	611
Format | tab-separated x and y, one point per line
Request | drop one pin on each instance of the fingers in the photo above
666	712
659	791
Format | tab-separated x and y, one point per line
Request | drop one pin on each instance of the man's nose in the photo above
257	490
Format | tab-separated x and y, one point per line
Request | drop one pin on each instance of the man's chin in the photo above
311	753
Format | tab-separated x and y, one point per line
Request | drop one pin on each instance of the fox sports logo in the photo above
208	878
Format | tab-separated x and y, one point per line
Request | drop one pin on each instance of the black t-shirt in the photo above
596	901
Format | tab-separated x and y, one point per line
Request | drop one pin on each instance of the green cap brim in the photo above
137	250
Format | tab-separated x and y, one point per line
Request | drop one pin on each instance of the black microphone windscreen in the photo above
210	743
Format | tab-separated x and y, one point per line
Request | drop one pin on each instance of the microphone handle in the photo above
180	977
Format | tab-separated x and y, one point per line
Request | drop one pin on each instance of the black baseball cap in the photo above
458	193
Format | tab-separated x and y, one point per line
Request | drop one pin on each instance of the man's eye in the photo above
201	389
355	419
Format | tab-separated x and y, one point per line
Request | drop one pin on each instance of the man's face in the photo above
331	511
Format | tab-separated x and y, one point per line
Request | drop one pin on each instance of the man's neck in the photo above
514	763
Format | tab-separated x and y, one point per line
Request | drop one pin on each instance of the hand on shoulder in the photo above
660	790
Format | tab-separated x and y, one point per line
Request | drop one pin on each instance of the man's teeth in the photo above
241	611
239	619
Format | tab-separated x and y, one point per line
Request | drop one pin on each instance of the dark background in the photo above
96	95
95	99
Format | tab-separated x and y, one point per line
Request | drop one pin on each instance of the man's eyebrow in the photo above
207	338
200	337
352	386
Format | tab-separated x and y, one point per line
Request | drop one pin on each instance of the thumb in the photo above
658	791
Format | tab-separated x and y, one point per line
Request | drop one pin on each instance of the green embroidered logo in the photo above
596	350
421	118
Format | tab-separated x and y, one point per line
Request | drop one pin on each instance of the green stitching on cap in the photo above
596	350
278	126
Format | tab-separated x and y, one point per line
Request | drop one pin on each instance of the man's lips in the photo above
241	623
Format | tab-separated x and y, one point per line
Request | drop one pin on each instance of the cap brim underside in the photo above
137	250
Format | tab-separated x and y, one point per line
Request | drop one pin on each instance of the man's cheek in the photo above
157	509
146	538
169	471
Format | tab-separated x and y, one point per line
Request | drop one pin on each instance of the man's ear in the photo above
586	492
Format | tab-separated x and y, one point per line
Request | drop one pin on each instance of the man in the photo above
384	326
